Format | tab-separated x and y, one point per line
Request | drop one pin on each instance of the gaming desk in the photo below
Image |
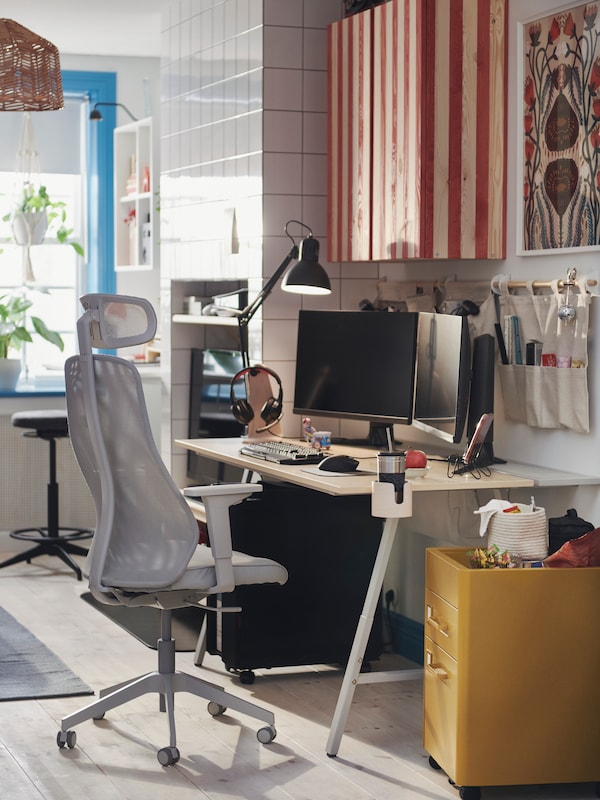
360	483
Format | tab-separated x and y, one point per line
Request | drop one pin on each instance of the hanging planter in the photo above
34	214
29	227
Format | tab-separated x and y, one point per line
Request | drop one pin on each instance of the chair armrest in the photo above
218	499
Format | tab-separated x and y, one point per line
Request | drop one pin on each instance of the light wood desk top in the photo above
228	452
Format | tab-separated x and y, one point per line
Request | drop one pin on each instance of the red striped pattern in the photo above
435	185
350	139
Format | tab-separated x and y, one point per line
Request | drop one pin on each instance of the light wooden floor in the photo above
380	757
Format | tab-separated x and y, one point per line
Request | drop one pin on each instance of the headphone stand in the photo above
259	388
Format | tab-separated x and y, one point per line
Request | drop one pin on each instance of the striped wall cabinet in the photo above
417	131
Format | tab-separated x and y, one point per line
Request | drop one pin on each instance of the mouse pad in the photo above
317	471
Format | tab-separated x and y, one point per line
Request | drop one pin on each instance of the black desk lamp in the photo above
305	277
96	116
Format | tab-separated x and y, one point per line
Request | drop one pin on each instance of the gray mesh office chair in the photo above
145	549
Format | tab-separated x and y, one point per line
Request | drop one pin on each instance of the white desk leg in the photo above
365	623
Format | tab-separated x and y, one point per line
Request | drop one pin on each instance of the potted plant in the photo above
13	332
34	215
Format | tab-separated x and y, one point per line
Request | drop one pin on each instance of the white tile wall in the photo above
245	95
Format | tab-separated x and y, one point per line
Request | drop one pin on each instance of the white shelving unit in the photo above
191	319
136	219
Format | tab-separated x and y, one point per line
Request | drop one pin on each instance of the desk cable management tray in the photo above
282	452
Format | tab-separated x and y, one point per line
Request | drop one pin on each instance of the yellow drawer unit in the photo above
511	673
441	622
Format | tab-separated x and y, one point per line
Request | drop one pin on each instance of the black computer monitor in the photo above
357	365
210	413
443	375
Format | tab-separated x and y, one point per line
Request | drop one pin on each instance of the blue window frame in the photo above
101	87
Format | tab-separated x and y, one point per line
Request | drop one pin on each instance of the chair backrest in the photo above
145	532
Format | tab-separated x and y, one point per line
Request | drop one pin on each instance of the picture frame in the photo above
558	118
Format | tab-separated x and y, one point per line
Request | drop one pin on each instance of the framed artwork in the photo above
561	130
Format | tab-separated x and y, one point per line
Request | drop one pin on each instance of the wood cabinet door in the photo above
417	145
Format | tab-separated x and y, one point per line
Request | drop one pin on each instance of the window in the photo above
75	159
59	277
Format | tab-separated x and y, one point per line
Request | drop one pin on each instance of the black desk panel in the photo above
328	545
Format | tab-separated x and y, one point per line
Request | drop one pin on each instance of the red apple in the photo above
415	459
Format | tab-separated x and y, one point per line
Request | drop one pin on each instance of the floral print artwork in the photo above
561	126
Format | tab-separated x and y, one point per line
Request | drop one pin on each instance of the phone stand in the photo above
383	500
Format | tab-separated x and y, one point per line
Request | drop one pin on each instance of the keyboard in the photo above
282	452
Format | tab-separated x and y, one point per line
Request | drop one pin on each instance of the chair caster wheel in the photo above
266	735
216	709
247	677
98	717
167	756
66	739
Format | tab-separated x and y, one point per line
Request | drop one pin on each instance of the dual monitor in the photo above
385	368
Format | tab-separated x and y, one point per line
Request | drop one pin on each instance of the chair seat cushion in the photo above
199	578
246	570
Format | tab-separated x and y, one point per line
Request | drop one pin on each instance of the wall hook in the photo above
568	310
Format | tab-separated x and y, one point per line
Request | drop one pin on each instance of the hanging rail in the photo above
571	280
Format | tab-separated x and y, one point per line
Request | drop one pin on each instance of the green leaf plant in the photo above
13	330
35	200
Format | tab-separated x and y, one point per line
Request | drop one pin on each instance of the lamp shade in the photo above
307	276
30	78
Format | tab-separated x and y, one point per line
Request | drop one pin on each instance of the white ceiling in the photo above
93	27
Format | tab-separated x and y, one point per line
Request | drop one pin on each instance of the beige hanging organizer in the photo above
542	333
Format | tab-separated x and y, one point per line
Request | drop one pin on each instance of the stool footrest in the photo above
41	534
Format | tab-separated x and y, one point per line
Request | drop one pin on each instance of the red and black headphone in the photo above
272	409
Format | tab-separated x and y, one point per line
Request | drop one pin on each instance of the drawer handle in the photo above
437	670
435	623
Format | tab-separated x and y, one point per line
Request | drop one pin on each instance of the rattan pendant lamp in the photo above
30	78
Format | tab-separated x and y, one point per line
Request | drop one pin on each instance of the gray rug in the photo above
28	669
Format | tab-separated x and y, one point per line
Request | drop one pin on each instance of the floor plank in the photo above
380	756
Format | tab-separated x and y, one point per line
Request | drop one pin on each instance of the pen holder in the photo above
383	500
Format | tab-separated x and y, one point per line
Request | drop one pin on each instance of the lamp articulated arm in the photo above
246	315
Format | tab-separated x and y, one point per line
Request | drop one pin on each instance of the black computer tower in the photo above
328	545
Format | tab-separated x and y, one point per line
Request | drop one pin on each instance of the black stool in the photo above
50	426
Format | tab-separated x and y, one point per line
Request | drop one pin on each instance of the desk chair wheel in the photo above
66	739
216	709
247	677
167	756
266	735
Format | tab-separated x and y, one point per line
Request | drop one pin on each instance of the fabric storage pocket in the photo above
546	397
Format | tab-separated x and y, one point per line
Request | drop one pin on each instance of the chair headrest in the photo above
118	320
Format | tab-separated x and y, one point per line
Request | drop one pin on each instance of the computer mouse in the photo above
339	464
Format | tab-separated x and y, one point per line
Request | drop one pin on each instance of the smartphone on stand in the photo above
474	447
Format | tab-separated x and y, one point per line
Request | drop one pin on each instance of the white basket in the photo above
524	534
